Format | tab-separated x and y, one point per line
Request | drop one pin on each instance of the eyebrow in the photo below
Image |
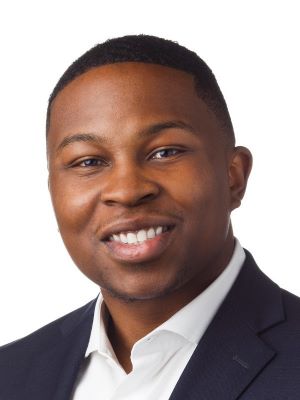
149	131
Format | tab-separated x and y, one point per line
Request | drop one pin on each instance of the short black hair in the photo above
152	50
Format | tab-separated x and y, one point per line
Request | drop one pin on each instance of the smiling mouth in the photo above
139	236
139	246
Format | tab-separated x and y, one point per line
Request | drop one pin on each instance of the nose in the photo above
128	186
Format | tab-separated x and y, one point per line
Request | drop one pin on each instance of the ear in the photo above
239	171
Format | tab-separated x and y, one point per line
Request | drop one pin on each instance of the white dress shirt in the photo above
159	358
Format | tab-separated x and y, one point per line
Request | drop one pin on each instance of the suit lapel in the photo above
230	355
55	369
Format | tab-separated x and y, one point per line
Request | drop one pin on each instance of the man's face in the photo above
131	146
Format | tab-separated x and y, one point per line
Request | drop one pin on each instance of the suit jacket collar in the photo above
229	356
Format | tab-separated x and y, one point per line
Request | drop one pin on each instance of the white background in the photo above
253	48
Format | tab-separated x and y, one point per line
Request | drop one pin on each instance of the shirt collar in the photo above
190	322
98	339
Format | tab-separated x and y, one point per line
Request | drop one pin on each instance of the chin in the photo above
138	294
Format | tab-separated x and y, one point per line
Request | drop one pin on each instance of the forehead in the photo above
125	94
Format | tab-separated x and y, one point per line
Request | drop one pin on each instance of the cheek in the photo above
73	204
203	196
195	187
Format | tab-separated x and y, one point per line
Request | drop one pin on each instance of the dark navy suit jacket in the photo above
250	351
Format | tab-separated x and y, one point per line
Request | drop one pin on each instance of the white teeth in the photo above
123	238
138	236
131	237
150	233
141	235
158	230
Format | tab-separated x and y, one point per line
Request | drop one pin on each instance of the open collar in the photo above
229	356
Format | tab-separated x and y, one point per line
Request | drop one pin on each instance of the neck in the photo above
129	322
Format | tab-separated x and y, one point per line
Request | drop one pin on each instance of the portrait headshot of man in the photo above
144	173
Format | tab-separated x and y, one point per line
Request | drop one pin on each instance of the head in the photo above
139	136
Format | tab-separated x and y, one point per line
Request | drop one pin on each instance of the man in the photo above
143	175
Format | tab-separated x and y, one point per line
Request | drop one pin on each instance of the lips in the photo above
137	252
136	224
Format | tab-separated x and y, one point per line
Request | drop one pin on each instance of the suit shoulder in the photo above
47	333
291	304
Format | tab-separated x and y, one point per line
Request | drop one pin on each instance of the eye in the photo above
164	153
90	162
